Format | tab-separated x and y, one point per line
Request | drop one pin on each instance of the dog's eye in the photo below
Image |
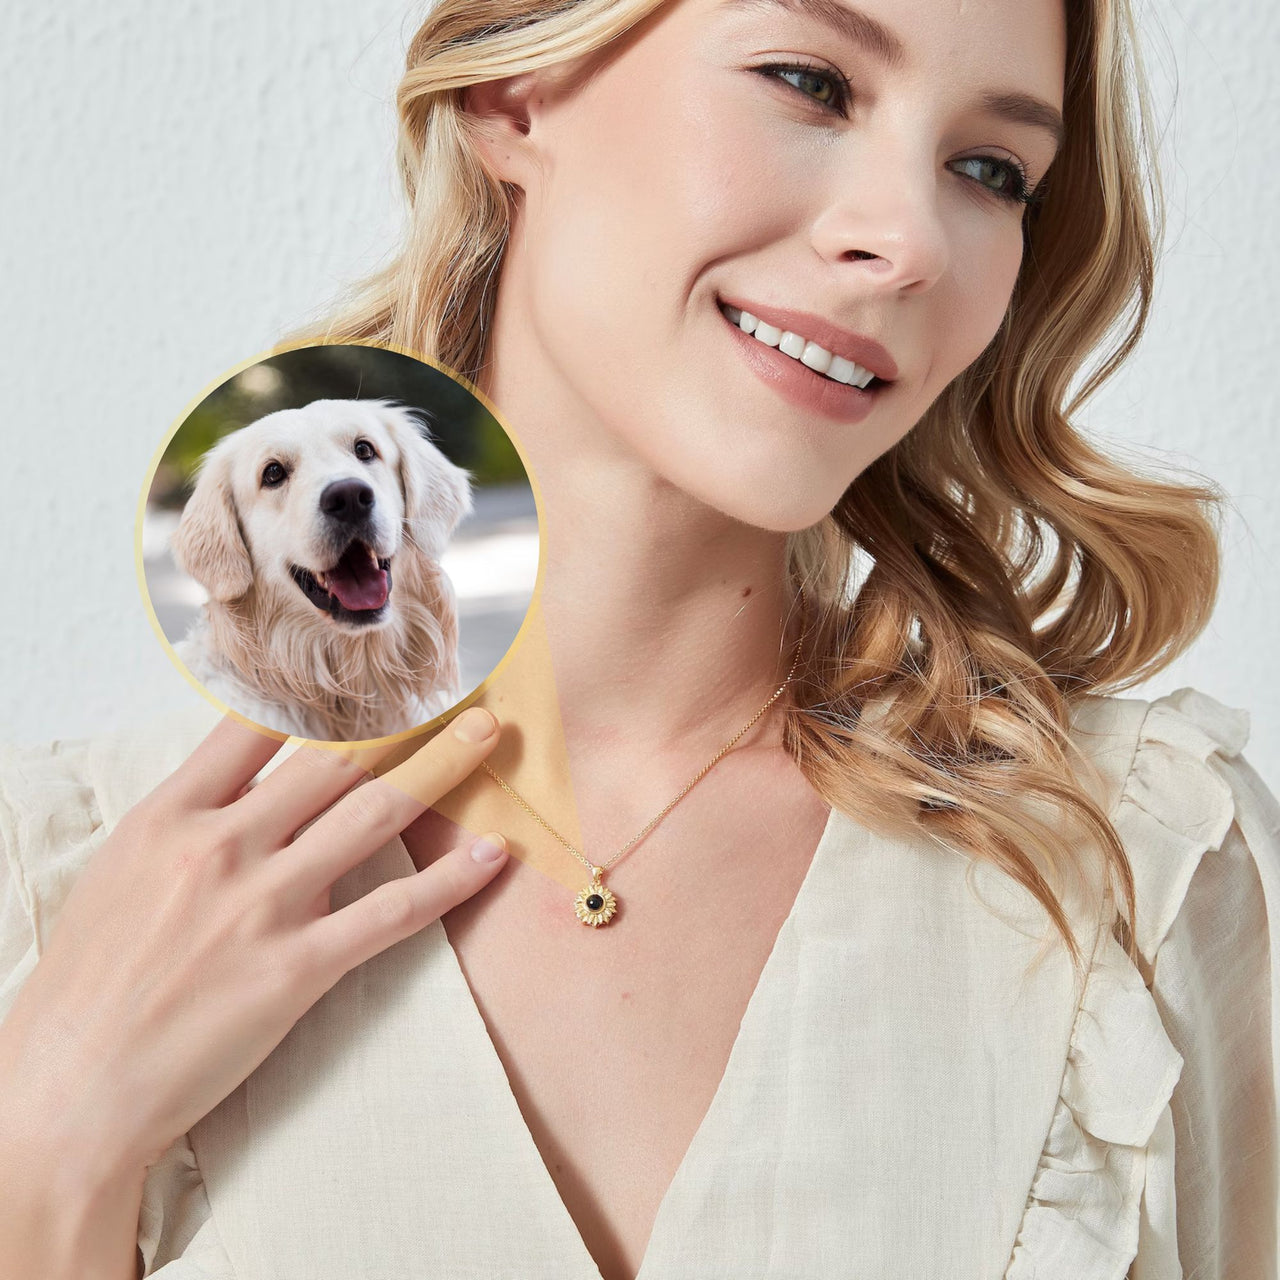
273	474
365	451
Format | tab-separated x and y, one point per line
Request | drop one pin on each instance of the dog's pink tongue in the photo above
357	580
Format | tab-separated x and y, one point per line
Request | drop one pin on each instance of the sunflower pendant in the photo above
595	905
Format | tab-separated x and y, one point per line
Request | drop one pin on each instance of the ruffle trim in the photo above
50	824
1081	1218
1175	806
1083	1211
59	800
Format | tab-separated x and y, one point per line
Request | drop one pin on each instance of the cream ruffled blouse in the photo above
907	1096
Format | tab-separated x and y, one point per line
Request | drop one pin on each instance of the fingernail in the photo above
489	848
475	724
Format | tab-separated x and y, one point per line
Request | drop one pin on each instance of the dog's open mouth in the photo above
354	590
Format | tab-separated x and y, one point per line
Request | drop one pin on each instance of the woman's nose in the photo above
884	221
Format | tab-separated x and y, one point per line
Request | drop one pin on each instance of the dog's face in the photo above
312	506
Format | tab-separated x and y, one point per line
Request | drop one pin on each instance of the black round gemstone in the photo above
595	902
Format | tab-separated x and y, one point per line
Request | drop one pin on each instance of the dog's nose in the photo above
347	500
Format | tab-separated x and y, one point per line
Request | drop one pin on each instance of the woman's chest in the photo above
615	1040
865	1092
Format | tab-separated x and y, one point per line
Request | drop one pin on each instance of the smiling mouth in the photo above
355	590
832	368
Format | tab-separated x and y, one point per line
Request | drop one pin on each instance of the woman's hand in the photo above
201	931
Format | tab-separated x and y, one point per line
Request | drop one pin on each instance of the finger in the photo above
303	786
343	939
373	813
224	763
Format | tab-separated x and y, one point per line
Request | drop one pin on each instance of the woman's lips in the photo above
800	385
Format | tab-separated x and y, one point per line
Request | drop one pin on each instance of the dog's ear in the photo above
437	493
208	543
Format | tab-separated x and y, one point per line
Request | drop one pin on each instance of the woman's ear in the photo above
208	543
437	493
499	116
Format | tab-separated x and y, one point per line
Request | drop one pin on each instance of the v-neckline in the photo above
590	1268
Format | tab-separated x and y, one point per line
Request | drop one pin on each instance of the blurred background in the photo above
492	558
188	183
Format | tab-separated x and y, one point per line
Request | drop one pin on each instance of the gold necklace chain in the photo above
596	905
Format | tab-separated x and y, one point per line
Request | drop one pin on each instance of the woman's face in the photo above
719	158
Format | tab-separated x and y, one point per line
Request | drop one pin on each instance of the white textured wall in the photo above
184	182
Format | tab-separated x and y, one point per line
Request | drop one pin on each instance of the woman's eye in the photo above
831	90
823	85
365	451
273	474
1014	186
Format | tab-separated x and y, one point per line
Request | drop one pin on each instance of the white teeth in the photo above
792	344
817	358
842	370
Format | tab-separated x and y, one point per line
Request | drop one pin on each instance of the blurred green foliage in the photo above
461	427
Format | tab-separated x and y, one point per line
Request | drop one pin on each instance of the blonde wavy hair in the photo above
1006	566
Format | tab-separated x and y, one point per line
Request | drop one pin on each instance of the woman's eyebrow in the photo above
869	33
857	27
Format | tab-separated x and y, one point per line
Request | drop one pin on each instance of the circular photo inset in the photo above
339	543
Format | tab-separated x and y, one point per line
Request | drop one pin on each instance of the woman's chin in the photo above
767	505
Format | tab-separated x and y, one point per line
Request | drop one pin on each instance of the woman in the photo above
927	969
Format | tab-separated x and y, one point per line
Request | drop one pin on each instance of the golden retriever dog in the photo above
317	533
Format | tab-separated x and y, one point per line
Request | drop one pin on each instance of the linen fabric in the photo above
917	1089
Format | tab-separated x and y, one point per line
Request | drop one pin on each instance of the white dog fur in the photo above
326	496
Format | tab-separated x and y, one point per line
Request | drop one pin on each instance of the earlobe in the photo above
207	543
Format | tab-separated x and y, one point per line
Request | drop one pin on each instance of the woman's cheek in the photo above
584	285
984	270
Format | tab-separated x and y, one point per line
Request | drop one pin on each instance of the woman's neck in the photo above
601	730
663	622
